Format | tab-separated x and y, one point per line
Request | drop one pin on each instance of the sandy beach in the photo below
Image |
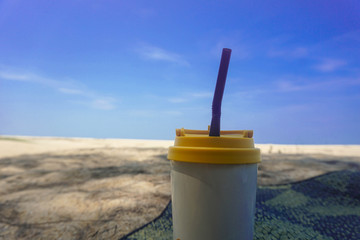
77	188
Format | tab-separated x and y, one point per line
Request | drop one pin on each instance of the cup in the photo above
213	182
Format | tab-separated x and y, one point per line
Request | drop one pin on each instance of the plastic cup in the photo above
213	182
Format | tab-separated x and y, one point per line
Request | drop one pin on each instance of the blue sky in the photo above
140	69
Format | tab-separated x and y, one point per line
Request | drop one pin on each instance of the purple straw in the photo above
219	92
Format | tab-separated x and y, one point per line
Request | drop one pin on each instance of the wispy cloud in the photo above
239	50
249	94
178	100
104	103
91	98
330	65
145	12
295	84
153	113
298	52
190	96
290	85
16	77
28	77
352	36
202	94
291	108
71	91
158	54
173	113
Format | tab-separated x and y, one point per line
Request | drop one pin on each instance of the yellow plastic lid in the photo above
232	147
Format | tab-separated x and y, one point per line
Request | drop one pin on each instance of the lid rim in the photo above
215	155
231	147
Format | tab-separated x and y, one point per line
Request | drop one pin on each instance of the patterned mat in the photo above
324	207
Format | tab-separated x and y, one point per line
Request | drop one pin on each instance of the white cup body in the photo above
213	201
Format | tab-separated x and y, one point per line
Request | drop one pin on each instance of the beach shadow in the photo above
288	168
72	169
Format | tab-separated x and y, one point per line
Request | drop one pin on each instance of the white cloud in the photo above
104	103
189	96
294	85
173	113
28	77
298	52
92	98
249	94
146	12
202	94
15	77
153	113
330	65
352	36
141	113
177	100
238	50
159	54
71	91
289	86
292	108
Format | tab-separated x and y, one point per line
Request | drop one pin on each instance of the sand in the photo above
74	188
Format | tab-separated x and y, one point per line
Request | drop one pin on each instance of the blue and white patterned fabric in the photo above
324	207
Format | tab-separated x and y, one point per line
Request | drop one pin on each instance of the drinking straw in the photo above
219	92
